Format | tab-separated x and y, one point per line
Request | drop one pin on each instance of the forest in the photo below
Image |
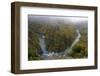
54	38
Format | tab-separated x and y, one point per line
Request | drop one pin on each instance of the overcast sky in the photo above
56	19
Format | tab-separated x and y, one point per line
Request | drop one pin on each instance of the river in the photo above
51	55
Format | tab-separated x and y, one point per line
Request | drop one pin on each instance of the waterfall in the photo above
52	55
42	44
46	54
68	50
77	38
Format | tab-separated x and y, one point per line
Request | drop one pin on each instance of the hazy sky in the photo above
55	19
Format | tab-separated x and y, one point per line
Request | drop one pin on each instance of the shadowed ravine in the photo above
53	55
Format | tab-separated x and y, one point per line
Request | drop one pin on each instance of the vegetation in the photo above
80	50
59	37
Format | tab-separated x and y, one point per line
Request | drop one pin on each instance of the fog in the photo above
56	19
